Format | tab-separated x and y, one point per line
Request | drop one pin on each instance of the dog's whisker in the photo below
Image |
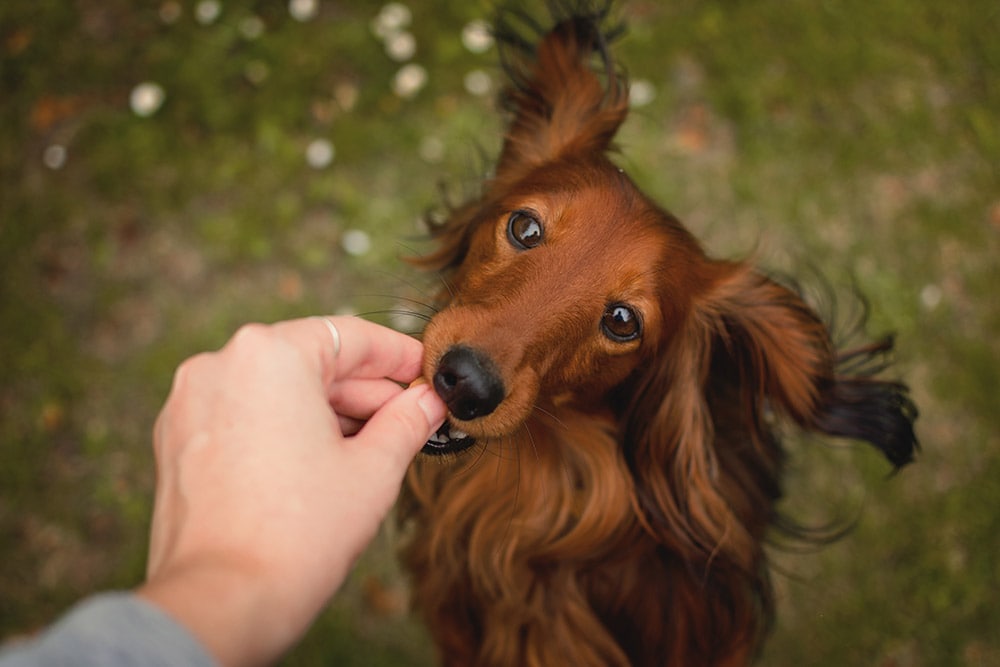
551	415
398	318
531	438
396	297
500	458
447	285
406	282
416	302
503	448
513	507
410	249
483	447
396	311
401	301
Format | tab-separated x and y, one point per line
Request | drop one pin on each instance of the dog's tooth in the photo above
458	435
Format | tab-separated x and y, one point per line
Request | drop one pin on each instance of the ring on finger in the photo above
334	333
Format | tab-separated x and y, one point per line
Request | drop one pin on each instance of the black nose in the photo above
468	383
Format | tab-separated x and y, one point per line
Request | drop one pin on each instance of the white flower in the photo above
476	36
54	156
478	82
401	46
409	80
931	296
207	11
303	10
641	92
146	99
392	18
319	153
356	242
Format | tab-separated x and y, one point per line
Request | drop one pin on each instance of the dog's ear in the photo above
701	440
788	364
560	106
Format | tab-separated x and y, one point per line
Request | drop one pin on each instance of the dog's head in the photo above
567	286
557	289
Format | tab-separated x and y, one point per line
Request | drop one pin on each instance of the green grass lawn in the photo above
276	168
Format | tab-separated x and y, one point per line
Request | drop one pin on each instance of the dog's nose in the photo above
468	383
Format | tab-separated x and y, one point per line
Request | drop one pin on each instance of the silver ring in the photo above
333	334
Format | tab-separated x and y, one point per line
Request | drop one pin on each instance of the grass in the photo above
861	138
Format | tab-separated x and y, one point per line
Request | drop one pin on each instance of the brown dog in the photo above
619	393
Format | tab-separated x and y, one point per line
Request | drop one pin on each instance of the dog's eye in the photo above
524	231
620	323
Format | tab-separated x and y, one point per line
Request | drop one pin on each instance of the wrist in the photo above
226	608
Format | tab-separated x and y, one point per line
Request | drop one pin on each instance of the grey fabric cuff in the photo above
112	630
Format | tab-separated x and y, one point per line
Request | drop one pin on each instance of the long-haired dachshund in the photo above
630	388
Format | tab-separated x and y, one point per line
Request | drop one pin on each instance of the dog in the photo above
612	456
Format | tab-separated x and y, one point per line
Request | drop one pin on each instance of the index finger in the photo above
367	350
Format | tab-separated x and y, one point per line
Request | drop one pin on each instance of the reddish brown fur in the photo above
615	511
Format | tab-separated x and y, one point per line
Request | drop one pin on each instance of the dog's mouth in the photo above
448	440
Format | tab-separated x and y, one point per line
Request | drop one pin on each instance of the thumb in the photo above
402	426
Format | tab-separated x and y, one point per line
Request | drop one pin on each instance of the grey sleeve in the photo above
111	630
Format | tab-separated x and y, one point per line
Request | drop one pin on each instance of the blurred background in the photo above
171	169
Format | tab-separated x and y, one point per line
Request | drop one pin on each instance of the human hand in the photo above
262	503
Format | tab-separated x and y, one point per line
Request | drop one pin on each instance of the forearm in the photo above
111	630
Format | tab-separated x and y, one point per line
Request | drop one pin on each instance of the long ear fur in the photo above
702	437
560	105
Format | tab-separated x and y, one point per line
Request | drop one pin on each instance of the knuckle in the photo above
192	366
250	335
252	341
255	346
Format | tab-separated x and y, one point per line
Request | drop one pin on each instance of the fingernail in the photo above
433	408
